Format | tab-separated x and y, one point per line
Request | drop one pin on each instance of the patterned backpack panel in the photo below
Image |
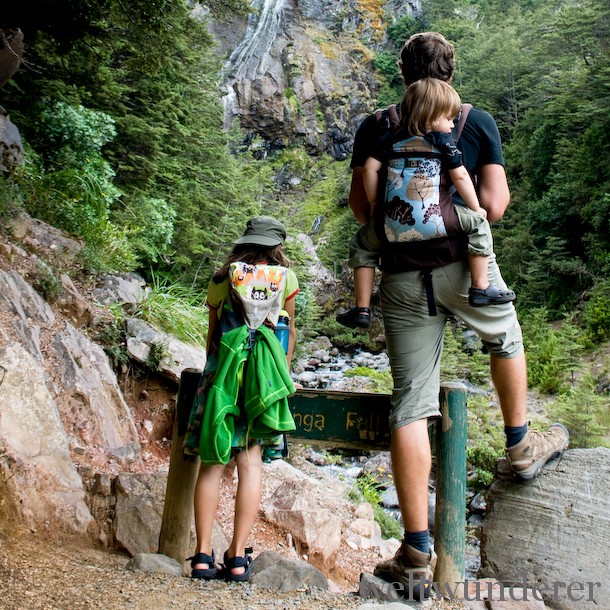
413	191
260	290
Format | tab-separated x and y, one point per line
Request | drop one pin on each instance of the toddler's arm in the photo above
464	186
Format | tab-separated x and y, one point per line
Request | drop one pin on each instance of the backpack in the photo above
256	294
416	220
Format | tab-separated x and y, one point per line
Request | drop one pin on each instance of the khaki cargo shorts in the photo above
415	339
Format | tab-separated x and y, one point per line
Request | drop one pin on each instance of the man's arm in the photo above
357	199
492	187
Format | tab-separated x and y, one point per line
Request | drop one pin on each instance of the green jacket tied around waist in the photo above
266	388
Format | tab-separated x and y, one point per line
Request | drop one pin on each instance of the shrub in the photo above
177	310
367	488
585	414
485	439
596	315
553	354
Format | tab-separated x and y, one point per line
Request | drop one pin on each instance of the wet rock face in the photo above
299	73
11	147
11	50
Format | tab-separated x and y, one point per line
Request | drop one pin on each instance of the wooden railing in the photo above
339	419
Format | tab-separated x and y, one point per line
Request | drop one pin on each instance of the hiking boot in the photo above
412	569
492	295
356	317
535	449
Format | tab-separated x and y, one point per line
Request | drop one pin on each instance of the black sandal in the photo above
356	317
210	573
238	562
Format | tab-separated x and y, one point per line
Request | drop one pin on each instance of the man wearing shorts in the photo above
416	307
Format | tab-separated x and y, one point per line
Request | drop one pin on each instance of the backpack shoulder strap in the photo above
464	111
389	117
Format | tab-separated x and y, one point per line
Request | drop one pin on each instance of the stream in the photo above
325	368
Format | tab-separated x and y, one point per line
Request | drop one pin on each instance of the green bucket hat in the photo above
263	231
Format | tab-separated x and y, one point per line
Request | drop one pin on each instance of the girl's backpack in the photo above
259	292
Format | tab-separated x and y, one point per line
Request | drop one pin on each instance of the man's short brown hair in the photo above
427	54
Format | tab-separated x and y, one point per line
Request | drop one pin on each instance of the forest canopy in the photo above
118	104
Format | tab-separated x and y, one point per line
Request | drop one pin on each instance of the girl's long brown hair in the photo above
425	101
252	254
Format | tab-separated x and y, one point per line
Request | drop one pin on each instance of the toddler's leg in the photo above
478	271
482	292
360	316
480	247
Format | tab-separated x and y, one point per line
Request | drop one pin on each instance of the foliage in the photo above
391	84
379	382
73	134
585	413
177	310
124	113
485	439
45	281
551	103
76	199
368	488
400	30
553	354
461	361
111	336
596	315
156	353
385	62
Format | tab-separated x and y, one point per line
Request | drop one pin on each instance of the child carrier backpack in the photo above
416	220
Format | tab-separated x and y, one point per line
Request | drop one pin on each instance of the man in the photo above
414	330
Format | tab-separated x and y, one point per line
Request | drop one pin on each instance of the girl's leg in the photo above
207	491
247	500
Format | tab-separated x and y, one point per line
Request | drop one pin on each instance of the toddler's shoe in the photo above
356	317
492	295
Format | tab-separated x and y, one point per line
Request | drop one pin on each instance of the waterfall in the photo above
229	102
250	59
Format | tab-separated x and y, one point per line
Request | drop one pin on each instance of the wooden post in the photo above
175	535
450	518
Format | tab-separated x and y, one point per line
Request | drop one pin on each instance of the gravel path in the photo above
35	575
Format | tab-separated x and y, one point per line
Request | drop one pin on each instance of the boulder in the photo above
11	51
553	533
41	488
272	571
176	355
11	146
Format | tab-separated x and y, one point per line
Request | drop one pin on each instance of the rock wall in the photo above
65	423
300	72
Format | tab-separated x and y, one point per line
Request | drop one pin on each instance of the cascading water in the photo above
250	59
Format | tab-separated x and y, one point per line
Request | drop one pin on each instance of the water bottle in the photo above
282	329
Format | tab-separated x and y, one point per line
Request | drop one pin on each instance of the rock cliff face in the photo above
300	71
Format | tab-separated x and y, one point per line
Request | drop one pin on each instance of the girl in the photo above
261	243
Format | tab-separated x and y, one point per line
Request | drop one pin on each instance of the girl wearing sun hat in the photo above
259	252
